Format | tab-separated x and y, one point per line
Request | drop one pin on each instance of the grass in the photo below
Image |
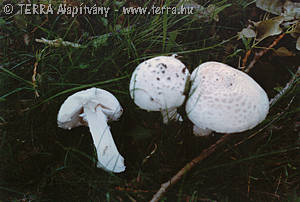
41	162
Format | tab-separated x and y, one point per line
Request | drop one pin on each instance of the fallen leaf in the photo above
288	9
291	10
273	6
283	51
268	27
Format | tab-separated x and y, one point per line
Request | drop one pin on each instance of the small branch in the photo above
258	55
246	58
286	88
44	22
204	154
58	42
127	189
34	80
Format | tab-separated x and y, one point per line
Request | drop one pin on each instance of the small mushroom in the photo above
225	100
158	84
93	108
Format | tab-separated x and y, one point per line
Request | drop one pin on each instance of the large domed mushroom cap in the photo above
224	99
158	83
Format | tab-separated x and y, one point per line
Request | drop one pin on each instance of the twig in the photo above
127	189
44	22
279	181
246	58
204	154
59	42
258	55
34	79
286	88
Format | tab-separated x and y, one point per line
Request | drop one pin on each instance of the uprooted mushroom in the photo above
93	108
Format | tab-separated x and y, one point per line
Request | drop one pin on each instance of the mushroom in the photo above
158	84
93	108
224	100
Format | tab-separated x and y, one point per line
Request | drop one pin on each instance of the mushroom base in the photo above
201	132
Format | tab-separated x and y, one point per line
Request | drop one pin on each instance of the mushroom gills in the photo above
108	155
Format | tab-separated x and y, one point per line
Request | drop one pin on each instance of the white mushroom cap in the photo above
158	84
224	99
68	116
93	107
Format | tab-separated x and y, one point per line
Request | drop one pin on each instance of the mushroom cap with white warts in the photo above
224	99
158	83
69	113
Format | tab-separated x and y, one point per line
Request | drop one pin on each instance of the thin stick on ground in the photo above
259	54
286	88
34	79
246	58
204	154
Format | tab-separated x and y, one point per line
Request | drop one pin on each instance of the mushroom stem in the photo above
170	114
109	157
200	131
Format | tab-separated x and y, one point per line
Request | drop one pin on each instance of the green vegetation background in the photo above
41	162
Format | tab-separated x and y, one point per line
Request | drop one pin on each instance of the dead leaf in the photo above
288	9
291	10
268	27
283	52
273	6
